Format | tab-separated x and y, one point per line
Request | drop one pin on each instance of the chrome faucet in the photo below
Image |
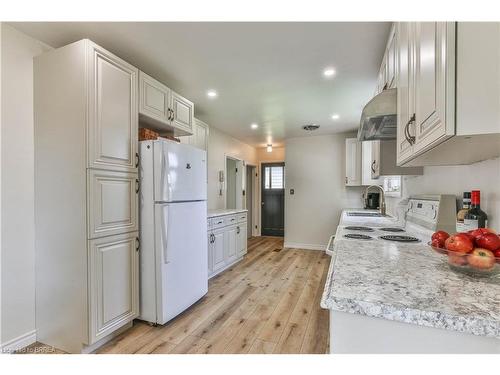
382	198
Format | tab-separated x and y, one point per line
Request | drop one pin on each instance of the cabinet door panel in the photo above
431	79
218	257
405	101
242	239
113	203
113	118
375	160
210	254
353	162
230	237
114	283
154	98
183	111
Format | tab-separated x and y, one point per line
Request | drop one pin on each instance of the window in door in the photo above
274	177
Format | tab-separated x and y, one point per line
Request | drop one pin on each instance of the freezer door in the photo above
182	257
180	172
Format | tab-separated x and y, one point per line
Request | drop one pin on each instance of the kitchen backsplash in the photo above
484	176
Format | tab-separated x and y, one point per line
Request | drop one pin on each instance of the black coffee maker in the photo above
372	201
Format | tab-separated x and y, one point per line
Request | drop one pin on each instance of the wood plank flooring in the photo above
266	303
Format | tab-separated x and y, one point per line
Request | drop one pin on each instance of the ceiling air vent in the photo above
311	127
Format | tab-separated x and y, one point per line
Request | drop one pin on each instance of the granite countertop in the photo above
225	211
408	283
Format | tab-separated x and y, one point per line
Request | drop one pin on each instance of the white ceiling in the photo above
268	73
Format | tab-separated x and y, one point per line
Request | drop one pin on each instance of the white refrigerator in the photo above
173	253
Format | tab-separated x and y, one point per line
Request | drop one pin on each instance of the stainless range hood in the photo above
378	119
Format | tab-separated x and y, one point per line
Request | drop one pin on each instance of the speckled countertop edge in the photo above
434	319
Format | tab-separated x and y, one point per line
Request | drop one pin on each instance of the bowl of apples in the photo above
475	253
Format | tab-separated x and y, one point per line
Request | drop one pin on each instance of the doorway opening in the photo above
273	199
234	183
250	194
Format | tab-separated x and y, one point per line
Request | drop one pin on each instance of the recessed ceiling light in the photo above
329	72
335	116
254	126
269	148
212	93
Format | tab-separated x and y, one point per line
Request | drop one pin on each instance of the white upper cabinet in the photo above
405	82
387	73
154	98
434	83
368	170
163	109
182	112
199	138
352	162
448	90
112	115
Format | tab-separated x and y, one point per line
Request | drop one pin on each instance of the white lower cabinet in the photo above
241	239
217	249
227	242
114	281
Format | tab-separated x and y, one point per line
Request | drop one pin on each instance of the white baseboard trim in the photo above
305	246
19	342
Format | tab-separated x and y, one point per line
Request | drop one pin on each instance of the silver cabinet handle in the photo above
409	138
373	166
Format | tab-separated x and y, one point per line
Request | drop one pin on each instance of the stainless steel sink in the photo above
365	214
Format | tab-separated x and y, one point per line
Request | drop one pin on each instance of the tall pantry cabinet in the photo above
86	195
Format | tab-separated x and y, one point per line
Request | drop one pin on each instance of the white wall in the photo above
17	190
278	154
315	169
484	176
219	145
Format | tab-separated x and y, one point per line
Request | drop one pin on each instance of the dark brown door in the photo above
273	199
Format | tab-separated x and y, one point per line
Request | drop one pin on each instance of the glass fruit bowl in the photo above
472	264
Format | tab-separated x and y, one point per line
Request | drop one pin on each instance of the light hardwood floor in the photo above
266	303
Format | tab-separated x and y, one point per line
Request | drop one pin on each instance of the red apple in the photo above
459	243
497	255
469	234
480	231
440	236
457	260
488	241
482	259
436	243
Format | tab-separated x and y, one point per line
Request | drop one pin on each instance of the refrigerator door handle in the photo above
164	234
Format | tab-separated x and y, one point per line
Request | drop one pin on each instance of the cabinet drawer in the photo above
113	283
231	220
242	217
112	202
217	222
